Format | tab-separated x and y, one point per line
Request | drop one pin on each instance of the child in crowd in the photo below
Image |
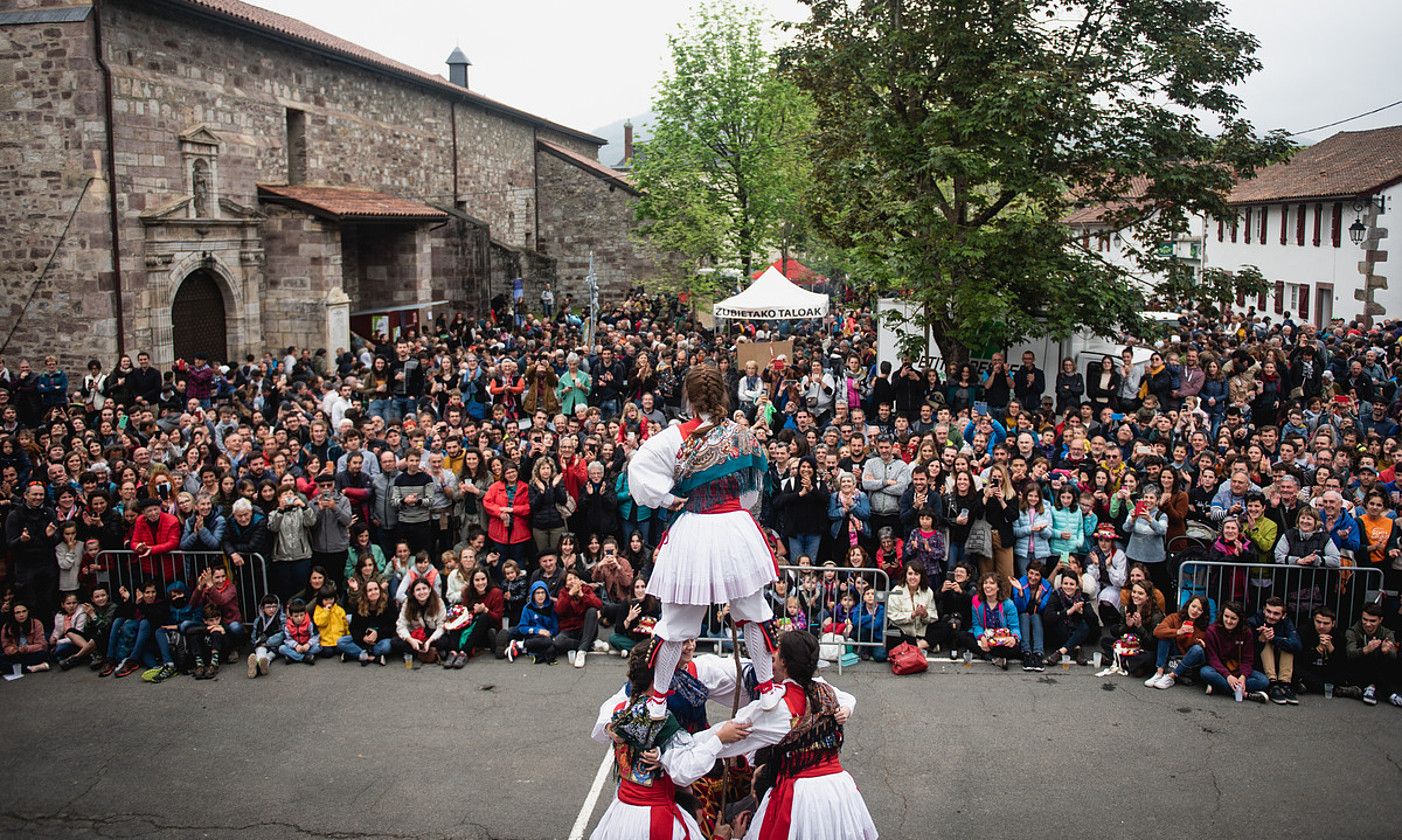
536	631
69	553
101	612
265	633
208	645
70	638
331	622
421	570
299	637
514	586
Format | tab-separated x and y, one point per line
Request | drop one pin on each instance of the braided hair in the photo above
704	390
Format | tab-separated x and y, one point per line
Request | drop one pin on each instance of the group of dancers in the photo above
780	752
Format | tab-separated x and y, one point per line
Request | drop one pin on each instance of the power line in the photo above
1350	119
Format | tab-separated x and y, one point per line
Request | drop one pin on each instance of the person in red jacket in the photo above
577	608
508	506
214	587
155	536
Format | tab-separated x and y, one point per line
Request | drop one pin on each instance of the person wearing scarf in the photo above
652	759
710	471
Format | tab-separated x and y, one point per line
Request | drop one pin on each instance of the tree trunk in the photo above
953	352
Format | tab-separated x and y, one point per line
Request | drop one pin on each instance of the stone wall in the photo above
303	275
579	213
185	89
51	170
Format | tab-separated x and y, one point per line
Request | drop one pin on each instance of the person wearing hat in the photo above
1106	570
330	534
155	536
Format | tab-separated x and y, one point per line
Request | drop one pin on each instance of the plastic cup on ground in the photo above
1098	658
1328	691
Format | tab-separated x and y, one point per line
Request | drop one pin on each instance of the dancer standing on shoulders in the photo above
711	469
653	759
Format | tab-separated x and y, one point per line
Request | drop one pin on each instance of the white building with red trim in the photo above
1315	226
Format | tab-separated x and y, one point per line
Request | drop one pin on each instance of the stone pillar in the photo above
1373	254
337	320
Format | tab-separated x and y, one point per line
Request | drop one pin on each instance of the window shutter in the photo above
1284	224
1280	288
1304	302
1235	216
1265	216
1221	230
1300	213
1241	299
1318	220
1337	227
1250	218
1260	301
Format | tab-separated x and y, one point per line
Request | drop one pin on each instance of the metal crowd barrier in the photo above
815	611
1303	588
124	568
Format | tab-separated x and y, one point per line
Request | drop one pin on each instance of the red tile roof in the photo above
287	27
350	203
1091	214
1348	164
588	164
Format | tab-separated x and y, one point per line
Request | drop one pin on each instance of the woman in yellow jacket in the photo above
330	621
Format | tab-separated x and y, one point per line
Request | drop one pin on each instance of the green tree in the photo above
954	137
722	173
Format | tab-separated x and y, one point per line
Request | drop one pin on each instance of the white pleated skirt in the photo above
824	808
711	558
634	822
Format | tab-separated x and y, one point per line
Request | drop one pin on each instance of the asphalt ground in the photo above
503	751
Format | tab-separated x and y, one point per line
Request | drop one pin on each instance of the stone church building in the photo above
206	175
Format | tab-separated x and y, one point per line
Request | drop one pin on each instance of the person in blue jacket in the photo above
535	634
1277	642
1031	593
52	384
868	625
989	614
1341	525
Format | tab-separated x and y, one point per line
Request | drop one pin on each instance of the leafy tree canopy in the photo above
726	165
953	137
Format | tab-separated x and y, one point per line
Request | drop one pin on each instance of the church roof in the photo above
349	203
590	165
303	34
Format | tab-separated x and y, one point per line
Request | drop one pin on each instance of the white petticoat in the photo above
634	822
710	558
824	808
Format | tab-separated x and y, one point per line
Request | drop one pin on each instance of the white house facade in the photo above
1316	228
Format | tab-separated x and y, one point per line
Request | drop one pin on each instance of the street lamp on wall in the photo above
1358	231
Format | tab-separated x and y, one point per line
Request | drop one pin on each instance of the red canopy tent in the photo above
795	271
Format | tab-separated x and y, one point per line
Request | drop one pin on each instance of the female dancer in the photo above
712	470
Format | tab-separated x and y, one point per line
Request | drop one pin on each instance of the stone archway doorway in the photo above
198	318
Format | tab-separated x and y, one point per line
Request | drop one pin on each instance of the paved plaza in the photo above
502	751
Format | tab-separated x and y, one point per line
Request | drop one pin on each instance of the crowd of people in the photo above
463	489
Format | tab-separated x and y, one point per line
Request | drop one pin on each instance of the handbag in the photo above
906	658
980	541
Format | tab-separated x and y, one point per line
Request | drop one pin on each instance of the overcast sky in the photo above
587	63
